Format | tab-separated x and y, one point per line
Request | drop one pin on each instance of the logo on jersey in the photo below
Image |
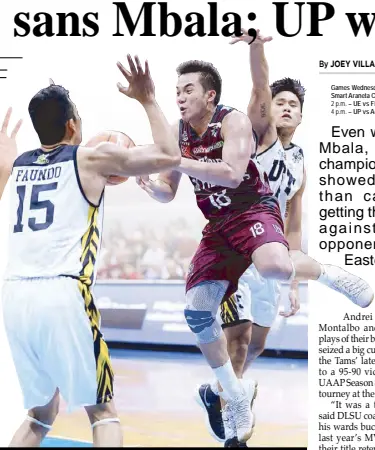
184	149
185	136
297	157
42	159
201	149
215	128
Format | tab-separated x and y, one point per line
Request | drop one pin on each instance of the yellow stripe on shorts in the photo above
104	372
229	311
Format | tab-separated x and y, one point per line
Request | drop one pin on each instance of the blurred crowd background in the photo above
147	253
151	241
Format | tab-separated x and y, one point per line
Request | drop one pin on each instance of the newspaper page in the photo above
300	78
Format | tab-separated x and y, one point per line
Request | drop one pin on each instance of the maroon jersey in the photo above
213	200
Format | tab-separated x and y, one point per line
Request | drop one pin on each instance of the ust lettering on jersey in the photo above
274	162
285	169
55	230
214	200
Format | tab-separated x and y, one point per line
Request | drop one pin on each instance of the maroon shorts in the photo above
226	249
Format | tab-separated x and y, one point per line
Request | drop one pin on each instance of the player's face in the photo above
191	98
286	110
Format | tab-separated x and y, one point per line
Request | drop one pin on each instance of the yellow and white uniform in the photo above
50	316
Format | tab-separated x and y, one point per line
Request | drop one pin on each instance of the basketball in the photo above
117	137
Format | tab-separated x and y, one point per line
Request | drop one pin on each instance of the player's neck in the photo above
285	135
200	125
50	148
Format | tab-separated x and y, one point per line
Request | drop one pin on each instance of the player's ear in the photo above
71	126
211	95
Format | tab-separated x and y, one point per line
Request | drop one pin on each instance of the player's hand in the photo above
248	39
294	302
141	87
145	183
8	146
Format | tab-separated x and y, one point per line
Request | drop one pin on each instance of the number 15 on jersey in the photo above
25	212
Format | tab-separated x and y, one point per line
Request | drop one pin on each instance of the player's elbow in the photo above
176	160
234	183
169	160
234	180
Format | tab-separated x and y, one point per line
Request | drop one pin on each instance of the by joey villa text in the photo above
348	64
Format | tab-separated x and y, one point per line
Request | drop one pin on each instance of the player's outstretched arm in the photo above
293	234
164	154
164	188
8	150
259	108
238	147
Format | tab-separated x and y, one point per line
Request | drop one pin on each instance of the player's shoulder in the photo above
226	111
236	119
39	157
87	156
26	158
295	147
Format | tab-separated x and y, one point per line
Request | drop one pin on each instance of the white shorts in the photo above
257	300
53	332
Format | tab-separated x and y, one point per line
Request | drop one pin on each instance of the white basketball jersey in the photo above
54	229
285	170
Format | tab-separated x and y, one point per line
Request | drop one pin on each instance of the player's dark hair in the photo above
50	109
288	84
209	75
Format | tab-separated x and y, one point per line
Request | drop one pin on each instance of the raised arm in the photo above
109	159
238	147
259	108
8	150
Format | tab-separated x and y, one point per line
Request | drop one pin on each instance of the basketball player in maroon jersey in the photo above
244	220
8	150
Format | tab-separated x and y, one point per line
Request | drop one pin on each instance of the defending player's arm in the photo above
293	219
238	147
8	150
110	159
259	108
164	188
293	234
